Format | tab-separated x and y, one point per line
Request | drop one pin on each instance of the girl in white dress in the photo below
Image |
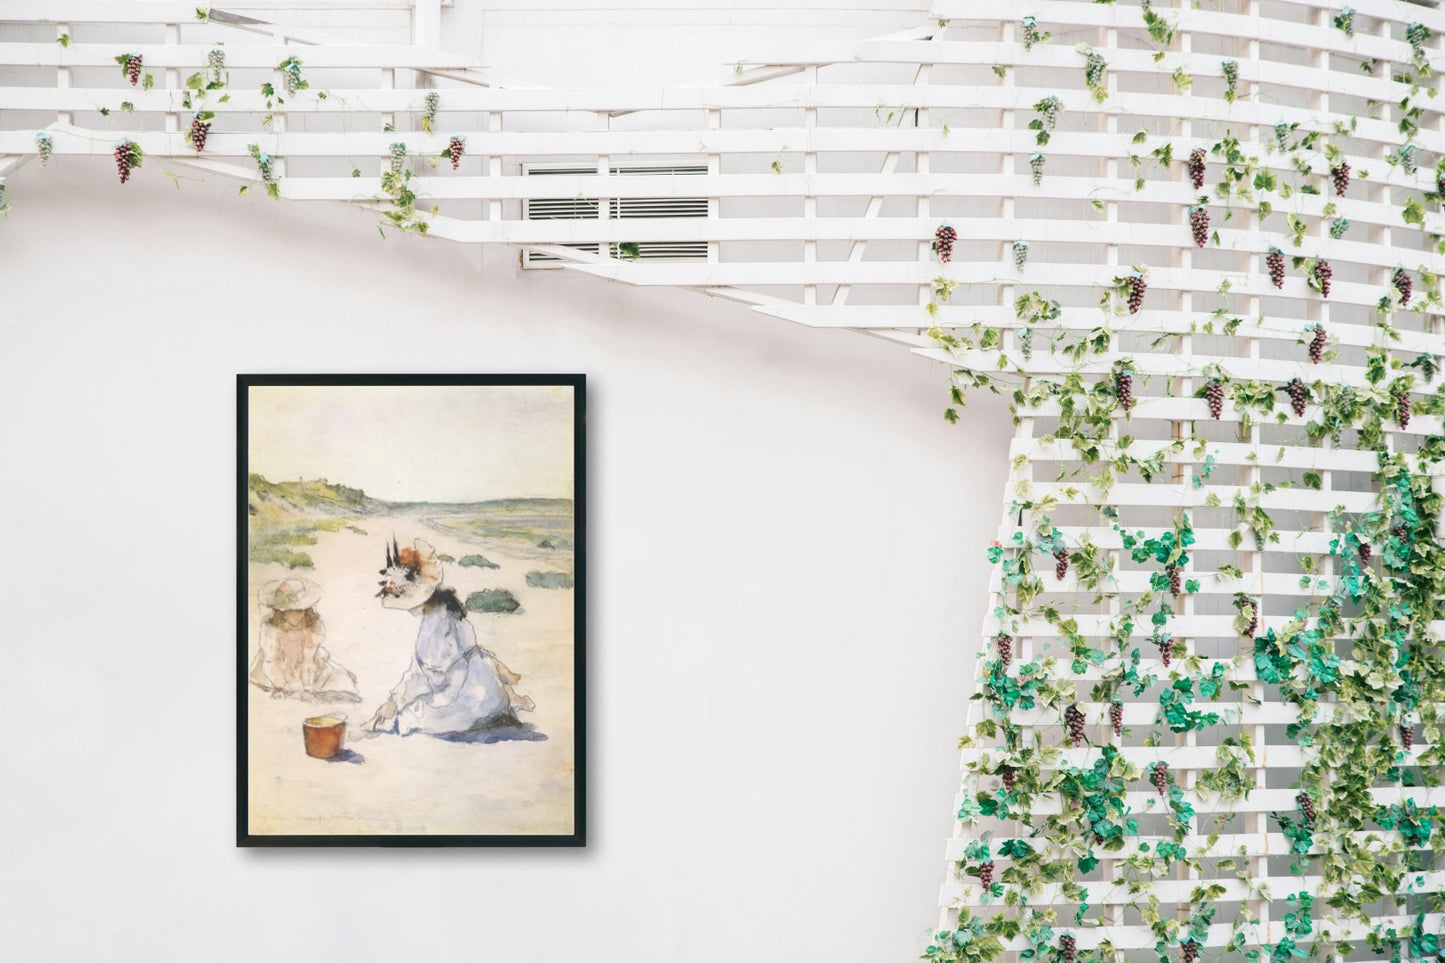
452	685
291	661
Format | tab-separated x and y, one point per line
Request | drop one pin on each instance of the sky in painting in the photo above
455	443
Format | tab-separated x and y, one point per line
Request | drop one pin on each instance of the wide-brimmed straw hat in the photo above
289	593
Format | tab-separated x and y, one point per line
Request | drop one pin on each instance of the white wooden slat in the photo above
1223	845
1219	934
1176	757
1218	23
238	56
870	99
1155	321
98	11
1179	890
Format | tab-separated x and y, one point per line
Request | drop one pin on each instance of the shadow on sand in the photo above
348	755
511	732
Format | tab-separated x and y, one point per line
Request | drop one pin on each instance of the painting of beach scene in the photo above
410	599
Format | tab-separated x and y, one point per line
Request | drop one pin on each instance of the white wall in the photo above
787	584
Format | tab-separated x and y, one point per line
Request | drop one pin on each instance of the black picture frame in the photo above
245	837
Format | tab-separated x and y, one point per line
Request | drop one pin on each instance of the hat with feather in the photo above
411	575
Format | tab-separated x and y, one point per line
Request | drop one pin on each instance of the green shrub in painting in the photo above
549	580
492	600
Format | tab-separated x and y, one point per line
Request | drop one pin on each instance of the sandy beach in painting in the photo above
418	784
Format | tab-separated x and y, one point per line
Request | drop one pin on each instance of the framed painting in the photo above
411	598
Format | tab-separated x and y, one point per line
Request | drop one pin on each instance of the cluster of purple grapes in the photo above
1340	173
1005	645
1067	948
199	130
1323	272
455	149
1159	776
1074	719
1188	951
1116	718
1176	581
1400	533
985	873
943	239
1061	564
1137	287
133	65
1124	389
1402	408
1407	737
1299	395
1214	394
1166	651
1196	167
1009	776
1366	552
1403	284
1317	345
124	159
1306	806
1199	224
1274	260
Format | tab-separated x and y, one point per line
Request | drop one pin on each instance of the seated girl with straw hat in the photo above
291	660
